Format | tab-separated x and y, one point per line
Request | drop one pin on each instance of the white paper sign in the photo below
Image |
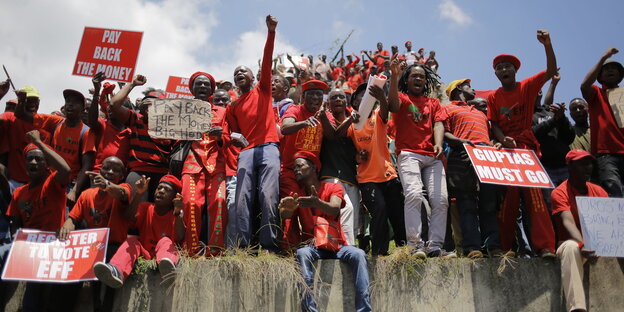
368	101
602	224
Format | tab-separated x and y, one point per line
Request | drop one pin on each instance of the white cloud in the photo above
41	40
450	11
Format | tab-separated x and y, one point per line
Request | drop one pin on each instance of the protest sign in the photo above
616	100
368	100
179	119
111	51
602	224
178	88
506	166
40	256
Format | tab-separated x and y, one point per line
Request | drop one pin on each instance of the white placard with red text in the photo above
506	166
40	256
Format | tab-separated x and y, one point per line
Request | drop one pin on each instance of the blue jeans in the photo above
230	228
477	218
352	255
257	191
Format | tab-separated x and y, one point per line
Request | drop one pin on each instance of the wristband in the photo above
581	245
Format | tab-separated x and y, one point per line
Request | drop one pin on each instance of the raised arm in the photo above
55	160
94	113
4	88
267	58
592	75
549	97
394	104
543	36
120	112
178	225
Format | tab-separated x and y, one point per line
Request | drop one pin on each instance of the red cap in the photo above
29	148
213	83
313	84
155	95
406	42
577	154
506	58
173	181
311	157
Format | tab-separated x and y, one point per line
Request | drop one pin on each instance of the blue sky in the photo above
181	37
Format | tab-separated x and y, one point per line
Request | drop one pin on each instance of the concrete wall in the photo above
434	285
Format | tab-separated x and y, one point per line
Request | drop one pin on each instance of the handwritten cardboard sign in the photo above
40	256
178	88
602	224
111	51
506	166
179	119
616	100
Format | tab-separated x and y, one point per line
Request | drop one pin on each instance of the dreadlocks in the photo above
431	79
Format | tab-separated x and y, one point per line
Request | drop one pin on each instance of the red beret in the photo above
213	83
506	58
577	154
29	148
406	42
155	95
173	181
311	157
313	84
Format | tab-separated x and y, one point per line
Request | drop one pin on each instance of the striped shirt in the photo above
146	154
466	122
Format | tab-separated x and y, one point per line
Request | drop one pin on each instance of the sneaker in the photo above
419	253
475	254
442	254
497	253
547	254
166	267
108	274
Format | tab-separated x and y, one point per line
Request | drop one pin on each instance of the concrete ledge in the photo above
433	285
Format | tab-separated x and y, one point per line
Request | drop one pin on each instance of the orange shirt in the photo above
41	207
98	209
153	227
372	138
66	141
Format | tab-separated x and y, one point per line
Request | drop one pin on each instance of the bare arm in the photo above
331	208
290	126
543	36
549	97
115	191
94	109
57	162
394	104
120	112
438	138
592	75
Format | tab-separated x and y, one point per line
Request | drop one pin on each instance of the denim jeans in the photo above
257	192
230	198
352	255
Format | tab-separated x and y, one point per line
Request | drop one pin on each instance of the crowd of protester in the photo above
285	169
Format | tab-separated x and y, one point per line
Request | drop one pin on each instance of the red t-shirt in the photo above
355	80
15	136
325	192
41	207
153	227
414	123
306	139
564	199
111	142
66	141
379	60
146	154
513	110
98	210
252	114
352	64
206	153
467	122
606	136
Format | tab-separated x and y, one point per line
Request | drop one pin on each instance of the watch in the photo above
179	214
